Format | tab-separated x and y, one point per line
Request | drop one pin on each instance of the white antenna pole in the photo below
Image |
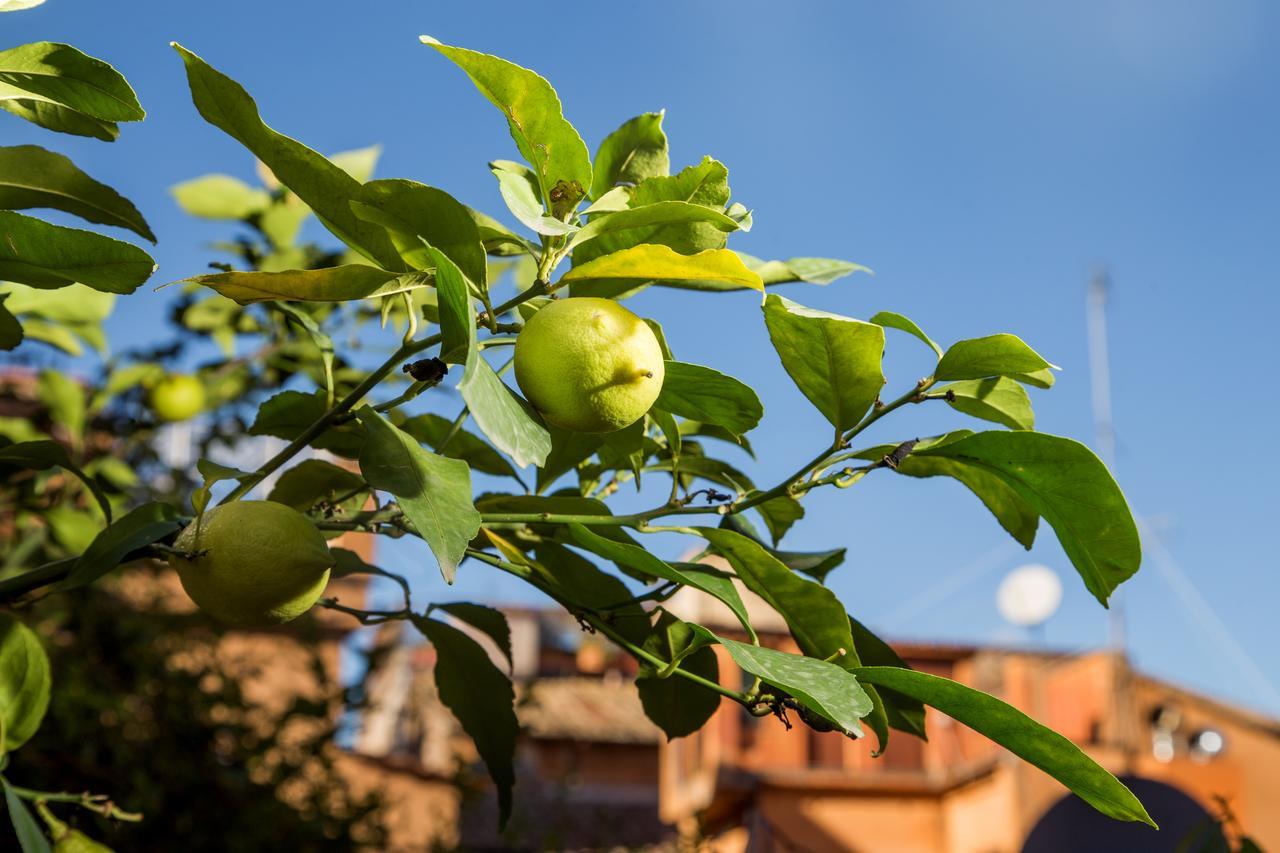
1104	431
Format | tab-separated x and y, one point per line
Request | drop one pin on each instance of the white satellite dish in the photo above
1029	595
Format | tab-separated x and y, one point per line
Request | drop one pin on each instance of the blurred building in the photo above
595	774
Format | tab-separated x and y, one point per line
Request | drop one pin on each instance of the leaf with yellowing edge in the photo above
650	262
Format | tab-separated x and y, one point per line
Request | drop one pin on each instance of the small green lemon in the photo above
589	365
255	563
177	397
75	841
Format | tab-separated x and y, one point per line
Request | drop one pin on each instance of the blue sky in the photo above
982	158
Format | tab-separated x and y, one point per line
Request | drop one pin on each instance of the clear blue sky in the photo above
982	158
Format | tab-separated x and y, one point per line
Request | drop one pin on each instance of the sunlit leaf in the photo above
32	177
44	255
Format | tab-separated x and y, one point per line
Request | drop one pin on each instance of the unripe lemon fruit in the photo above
589	365
75	841
254	563
178	397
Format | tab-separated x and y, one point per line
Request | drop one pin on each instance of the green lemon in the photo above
589	365
254	563
76	841
177	397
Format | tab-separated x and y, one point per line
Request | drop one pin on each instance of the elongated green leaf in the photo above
61	119
145	525
325	187
660	263
457	320
59	74
432	431
545	139
39	455
779	514
635	151
997	399
704	185
810	270
1068	485
332	284
994	355
30	837
314	480
903	712
577	580
481	698
676	705
829	691
648	217
502	415
32	177
1018	733
1015	514
834	360
433	491
702	394
815	617
220	197
430	214
890	320
64	398
1036	379
482	618
288	414
24	683
638	558
43	255
18	5
522	193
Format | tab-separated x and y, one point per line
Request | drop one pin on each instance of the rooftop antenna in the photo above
1104	431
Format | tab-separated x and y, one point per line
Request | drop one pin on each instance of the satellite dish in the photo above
1029	595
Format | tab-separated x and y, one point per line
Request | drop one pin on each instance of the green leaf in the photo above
508	421
1015	515
702	394
417	210
481	698
18	5
811	270
432	430
520	190
63	397
61	119
703	185
145	525
779	514
314	480
1018	733
568	451
220	197
325	187
30	837
624	223
890	320
903	712
577	580
486	619
1038	379
318	337
545	139
39	455
997	399
288	414
10	328
1065	483
43	255
834	360
633	556
32	177
995	355
433	491
457	320
635	151
24	683
359	163
212	474
676	705
824	688
73	305
660	263
59	74
815	617
333	284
